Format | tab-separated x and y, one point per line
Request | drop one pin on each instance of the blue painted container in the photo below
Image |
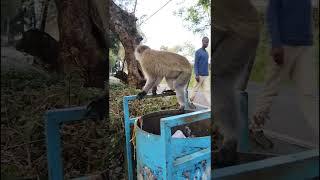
161	156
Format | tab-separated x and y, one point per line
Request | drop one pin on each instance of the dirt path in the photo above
11	59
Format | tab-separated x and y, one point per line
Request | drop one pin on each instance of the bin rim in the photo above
136	127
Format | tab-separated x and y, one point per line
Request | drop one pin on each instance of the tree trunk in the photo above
83	43
37	13
124	25
44	15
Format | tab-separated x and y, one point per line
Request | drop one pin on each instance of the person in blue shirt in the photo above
201	69
290	28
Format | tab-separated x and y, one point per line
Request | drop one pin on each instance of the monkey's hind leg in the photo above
180	97
180	84
170	91
170	83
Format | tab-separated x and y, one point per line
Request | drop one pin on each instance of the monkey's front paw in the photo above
141	94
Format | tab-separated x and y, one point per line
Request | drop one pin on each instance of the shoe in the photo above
260	138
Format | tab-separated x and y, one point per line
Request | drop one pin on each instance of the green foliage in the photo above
192	82
187	49
89	147
197	16
112	58
205	4
115	43
24	99
127	5
262	58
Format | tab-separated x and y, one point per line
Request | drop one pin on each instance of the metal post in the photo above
127	132
166	135
53	121
55	167
243	137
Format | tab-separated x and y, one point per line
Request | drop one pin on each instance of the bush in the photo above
89	147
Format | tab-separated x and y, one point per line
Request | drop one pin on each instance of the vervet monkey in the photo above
157	65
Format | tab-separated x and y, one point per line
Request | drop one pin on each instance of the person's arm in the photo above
273	13
196	64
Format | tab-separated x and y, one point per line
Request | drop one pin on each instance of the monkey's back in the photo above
163	62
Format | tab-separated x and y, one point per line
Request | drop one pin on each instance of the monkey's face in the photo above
139	50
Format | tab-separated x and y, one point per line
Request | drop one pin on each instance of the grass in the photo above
89	147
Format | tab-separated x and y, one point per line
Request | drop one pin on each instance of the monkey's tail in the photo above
187	93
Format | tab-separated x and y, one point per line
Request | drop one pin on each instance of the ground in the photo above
13	59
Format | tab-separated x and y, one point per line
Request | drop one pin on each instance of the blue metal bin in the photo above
185	158
158	154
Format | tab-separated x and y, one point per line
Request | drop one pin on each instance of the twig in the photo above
29	156
15	161
7	116
44	102
69	89
19	145
135	6
39	158
16	131
88	161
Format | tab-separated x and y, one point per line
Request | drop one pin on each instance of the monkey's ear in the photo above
139	49
142	48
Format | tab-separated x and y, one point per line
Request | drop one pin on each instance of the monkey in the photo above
157	65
